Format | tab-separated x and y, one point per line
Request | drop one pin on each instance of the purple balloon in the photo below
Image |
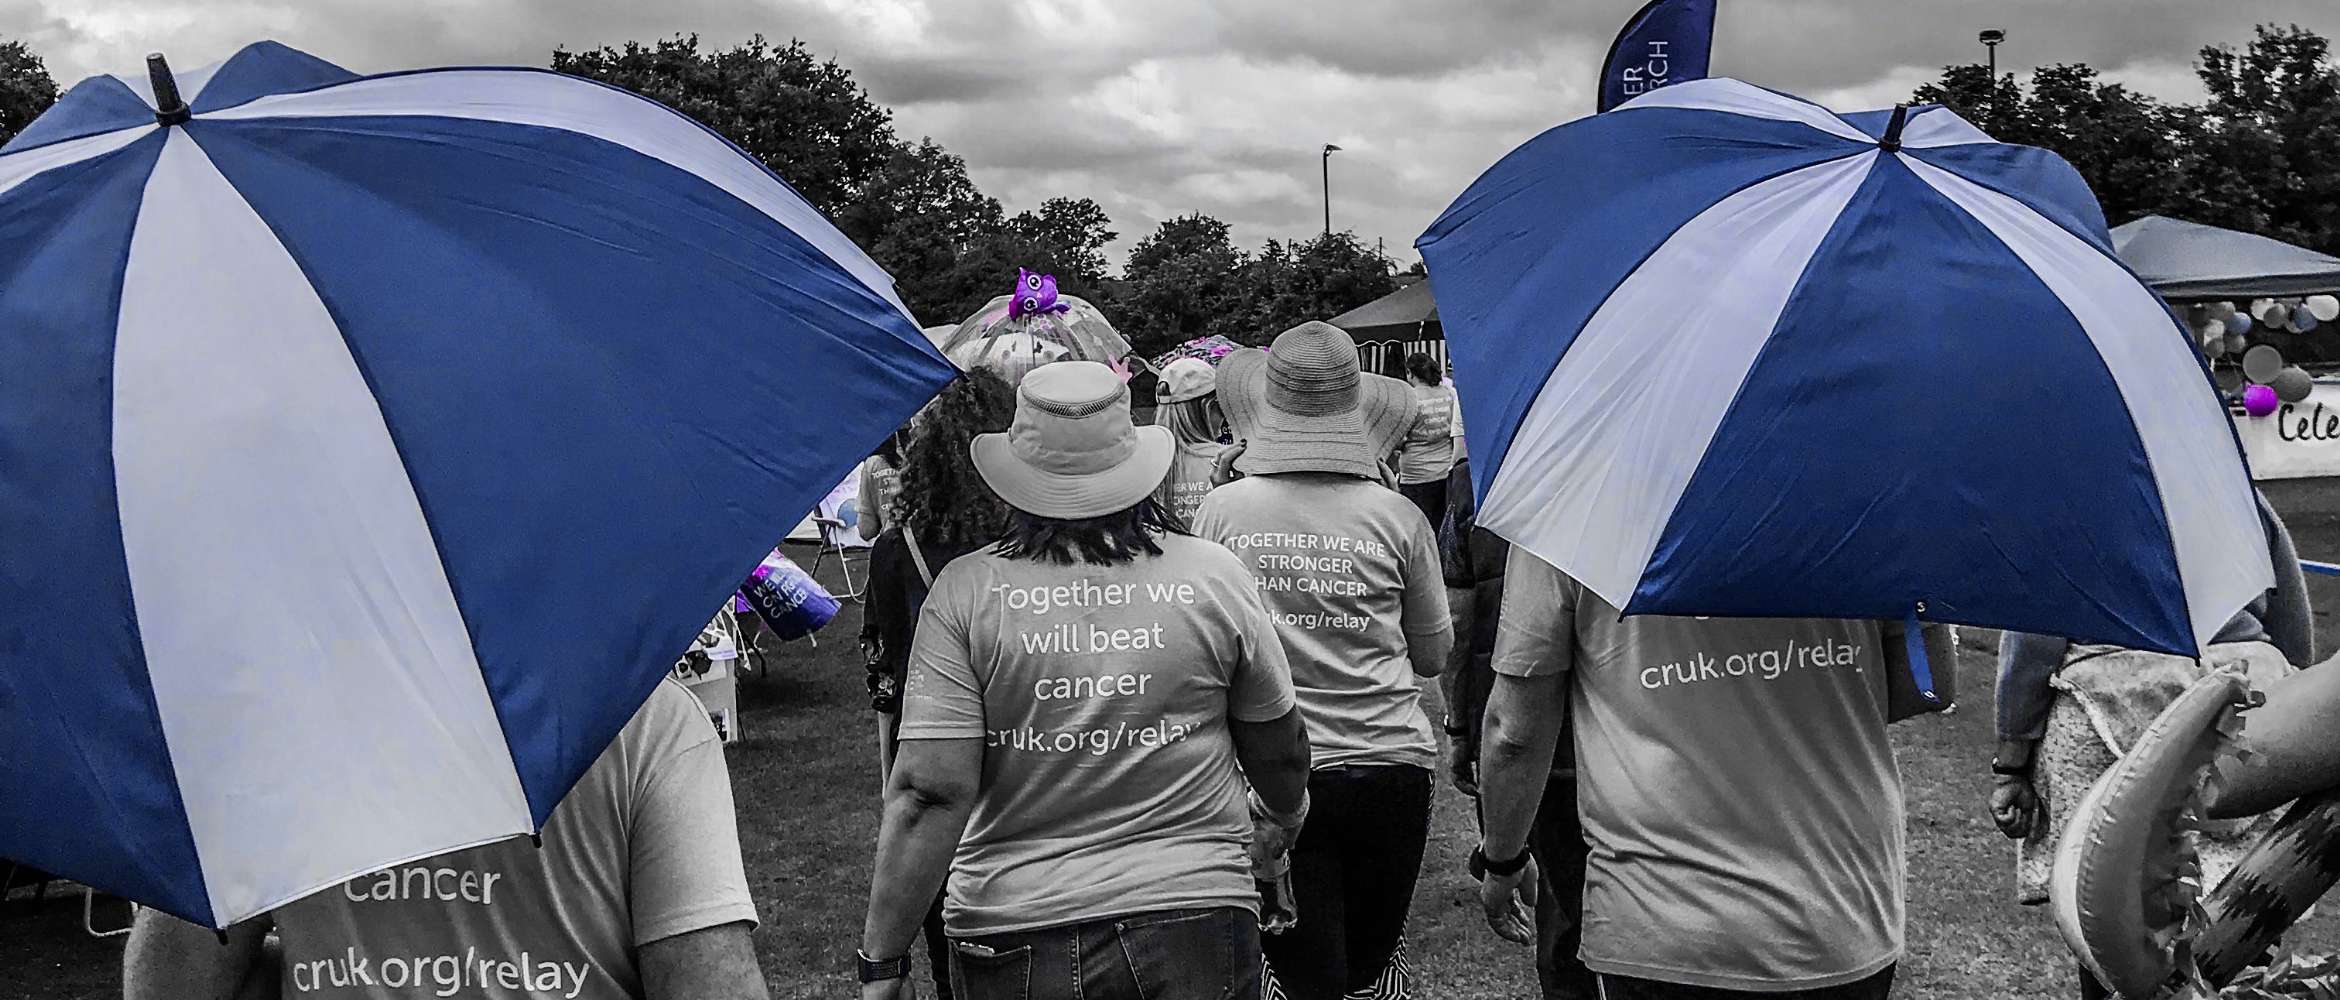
2258	400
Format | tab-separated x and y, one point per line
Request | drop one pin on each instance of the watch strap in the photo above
879	970
1483	866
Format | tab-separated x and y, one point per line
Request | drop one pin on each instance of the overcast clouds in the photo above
1162	107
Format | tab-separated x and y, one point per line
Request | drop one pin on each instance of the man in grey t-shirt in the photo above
1740	802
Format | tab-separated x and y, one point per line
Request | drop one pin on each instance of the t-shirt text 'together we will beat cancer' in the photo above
1102	697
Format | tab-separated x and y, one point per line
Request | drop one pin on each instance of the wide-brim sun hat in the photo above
1188	379
1305	405
1072	452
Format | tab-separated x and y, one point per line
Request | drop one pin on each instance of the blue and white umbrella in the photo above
1723	352
371	446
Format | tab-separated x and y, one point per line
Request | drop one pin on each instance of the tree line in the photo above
2260	153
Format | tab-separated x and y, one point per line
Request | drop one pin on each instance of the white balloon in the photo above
2213	330
2325	308
2221	310
2258	306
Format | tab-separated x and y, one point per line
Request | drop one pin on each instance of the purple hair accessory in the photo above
1035	294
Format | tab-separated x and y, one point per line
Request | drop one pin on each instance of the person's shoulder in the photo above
1245	489
968	569
671	713
1201	556
669	722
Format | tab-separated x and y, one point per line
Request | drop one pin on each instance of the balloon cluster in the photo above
2223	329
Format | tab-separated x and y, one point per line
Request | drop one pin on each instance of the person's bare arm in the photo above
1524	719
171	959
1275	758
1429	653
716	963
1462	605
928	800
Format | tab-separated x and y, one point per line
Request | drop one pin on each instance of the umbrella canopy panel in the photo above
372	446
2188	261
1780	390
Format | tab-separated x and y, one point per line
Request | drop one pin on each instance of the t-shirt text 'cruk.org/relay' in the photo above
1740	798
644	848
1102	695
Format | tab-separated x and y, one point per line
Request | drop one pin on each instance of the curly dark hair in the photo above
941	493
1424	368
1107	540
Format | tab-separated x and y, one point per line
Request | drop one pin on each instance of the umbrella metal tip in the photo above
1892	140
169	108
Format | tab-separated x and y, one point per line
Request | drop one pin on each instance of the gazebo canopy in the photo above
1406	314
2190	261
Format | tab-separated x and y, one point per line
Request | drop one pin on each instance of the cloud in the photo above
1158	108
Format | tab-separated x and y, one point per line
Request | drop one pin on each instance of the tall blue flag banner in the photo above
1667	41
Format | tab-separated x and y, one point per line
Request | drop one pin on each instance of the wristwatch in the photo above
878	971
2011	770
1482	866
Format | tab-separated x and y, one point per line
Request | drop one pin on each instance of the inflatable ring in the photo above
2125	882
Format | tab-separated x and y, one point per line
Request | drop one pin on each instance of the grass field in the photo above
806	786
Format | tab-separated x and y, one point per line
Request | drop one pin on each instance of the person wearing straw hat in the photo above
1187	408
1081	694
1350	570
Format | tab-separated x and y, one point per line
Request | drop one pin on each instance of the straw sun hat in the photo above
1304	405
1072	453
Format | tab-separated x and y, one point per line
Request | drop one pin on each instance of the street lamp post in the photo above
1326	162
1991	37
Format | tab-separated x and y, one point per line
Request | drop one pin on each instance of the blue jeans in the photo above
1166	955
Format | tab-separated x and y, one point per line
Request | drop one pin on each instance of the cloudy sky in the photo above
1158	108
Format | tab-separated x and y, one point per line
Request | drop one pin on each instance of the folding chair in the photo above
833	540
89	916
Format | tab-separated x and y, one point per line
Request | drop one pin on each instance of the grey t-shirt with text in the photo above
1349	570
1739	797
644	848
1102	696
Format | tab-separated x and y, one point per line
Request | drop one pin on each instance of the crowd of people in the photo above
1151	724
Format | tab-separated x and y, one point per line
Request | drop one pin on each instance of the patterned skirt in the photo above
2105	697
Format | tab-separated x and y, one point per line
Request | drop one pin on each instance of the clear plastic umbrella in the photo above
1033	327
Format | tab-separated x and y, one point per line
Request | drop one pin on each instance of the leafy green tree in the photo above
2269	157
928	225
911	206
25	88
1065	237
1185	280
803	116
2259	155
1318	278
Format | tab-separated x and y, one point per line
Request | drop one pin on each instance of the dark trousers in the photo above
1353	873
938	950
2090	989
1876	987
1557	842
1430	497
1167	955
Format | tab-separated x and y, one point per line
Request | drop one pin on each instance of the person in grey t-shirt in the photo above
1741	804
1349	570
